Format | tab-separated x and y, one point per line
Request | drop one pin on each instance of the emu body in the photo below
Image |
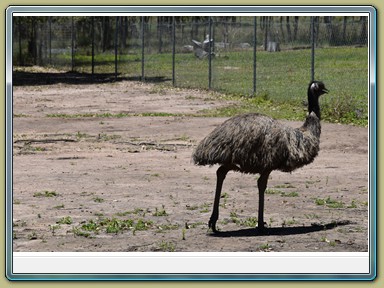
257	144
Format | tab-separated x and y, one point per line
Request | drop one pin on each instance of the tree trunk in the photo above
363	33
329	25
289	33
106	34
295	27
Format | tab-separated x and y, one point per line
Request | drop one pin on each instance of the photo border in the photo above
212	10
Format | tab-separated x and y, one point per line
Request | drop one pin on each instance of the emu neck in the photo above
313	104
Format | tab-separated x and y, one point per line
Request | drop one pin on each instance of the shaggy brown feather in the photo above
254	143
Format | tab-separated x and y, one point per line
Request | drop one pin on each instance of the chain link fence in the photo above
232	54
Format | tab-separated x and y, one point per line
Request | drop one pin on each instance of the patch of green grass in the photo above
330	203
136	211
98	200
53	228
160	212
194	225
289	222
166	246
106	137
249	222
112	115
353	204
32	236
225	197
79	232
109	225
142	225
204	208
311	216
20	115
289	194
45	193
65	220
265	247
270	191
234	217
80	135
167	227
115	225
91	225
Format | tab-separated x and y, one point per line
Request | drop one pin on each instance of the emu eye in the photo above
314	86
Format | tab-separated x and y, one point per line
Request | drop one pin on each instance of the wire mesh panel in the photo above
233	60
191	61
239	55
158	40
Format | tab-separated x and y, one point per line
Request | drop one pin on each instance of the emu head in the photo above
317	88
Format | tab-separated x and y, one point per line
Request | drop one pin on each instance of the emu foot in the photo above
212	225
262	228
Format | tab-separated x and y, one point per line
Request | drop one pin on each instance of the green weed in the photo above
45	193
160	212
65	220
330	203
167	246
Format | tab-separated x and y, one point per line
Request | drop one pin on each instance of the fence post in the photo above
21	61
116	43
312	48
254	53
93	44
72	45
173	50
210	53
50	39
142	48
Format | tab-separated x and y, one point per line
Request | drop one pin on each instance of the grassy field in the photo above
281	79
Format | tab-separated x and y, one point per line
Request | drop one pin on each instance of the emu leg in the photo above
262	185
221	173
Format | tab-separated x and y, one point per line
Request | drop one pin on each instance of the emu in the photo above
257	144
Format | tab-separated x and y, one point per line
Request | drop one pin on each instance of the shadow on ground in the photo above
21	78
281	230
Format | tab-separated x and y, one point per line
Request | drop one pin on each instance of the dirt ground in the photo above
128	183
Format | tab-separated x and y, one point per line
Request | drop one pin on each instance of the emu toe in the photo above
212	225
262	229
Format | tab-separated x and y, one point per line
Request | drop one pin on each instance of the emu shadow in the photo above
21	78
275	231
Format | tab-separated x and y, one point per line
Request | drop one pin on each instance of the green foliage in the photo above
98	200
160	212
116	225
248	222
142	225
45	194
167	246
65	220
289	194
329	202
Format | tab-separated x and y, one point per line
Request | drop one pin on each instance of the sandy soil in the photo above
128	184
